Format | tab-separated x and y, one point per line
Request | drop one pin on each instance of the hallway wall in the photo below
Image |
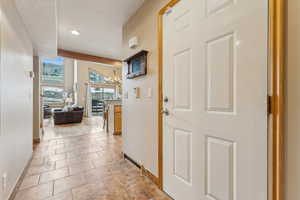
69	74
16	97
140	115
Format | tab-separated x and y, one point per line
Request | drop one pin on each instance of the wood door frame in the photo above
276	66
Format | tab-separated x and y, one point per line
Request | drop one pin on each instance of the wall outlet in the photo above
4	181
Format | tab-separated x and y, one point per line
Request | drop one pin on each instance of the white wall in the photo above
140	131
16	96
69	74
292	126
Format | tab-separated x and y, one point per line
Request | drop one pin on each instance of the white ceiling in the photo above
50	22
40	18
99	23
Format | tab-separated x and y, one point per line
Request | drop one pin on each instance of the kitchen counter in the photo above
114	116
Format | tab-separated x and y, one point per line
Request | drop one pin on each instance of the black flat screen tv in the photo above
137	65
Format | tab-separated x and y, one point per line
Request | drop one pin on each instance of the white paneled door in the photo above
215	100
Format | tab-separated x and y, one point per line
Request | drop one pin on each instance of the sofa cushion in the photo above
64	117
78	108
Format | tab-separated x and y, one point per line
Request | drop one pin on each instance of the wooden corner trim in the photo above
160	88
90	58
36	140
144	171
151	176
277	63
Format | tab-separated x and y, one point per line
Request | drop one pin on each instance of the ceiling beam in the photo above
86	57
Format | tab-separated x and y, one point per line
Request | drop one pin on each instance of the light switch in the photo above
137	92
149	93
126	95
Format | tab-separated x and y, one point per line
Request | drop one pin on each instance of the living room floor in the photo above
87	126
82	162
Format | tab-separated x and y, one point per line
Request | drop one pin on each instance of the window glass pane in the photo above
96	78
99	94
53	95
109	93
53	70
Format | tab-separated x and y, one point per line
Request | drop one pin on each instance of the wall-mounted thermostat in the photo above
133	42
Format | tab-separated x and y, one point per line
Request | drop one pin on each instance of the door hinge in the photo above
270	105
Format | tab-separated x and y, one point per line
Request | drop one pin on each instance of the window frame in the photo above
51	103
95	71
103	87
43	83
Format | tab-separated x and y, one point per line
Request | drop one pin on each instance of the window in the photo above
109	93
53	95
99	94
97	78
53	70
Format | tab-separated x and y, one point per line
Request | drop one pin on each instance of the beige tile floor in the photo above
81	162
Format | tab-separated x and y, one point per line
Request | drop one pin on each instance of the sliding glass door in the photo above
98	96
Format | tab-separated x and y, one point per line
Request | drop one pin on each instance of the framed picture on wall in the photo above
137	65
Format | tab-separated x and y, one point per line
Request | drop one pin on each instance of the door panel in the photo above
182	154
220	168
215	82
182	77
220	74
213	6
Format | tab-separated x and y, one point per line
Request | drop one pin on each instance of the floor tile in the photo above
89	191
80	167
97	174
67	183
39	192
33	170
37	161
82	162
53	175
62	196
29	182
61	156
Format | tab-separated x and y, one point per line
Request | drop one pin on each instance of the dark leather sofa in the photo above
47	112
62	116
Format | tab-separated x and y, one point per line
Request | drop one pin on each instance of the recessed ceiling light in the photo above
75	32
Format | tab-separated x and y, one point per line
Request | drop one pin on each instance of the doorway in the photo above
179	116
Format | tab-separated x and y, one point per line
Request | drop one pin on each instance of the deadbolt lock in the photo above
166	99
